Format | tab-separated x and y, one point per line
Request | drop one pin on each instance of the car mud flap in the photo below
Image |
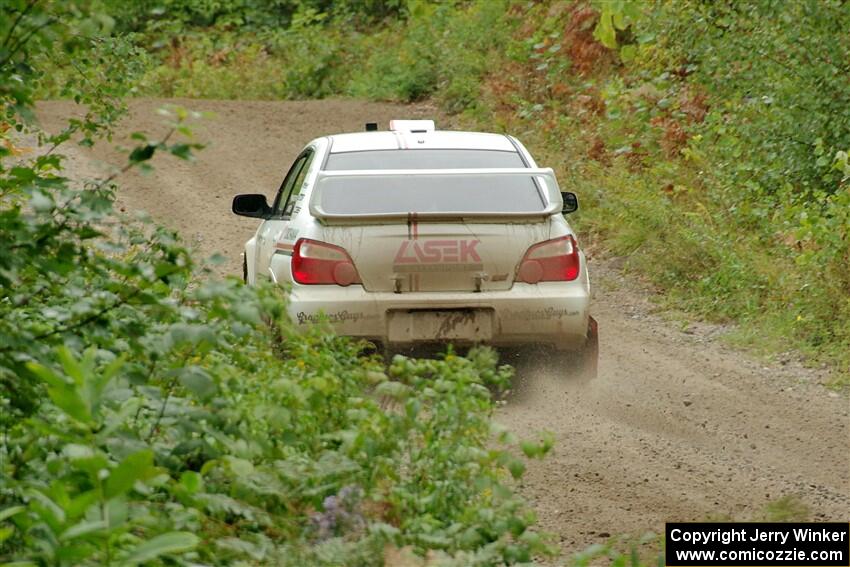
590	353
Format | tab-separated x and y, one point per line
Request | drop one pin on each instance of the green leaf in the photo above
196	380
538	450
87	232
6	532
165	544
142	153
516	467
72	367
99	382
80	504
247	313
24	174
66	396
181	151
134	467
530	449
605	32
83	529
117	419
41	202
45	507
395	390
628	53
165	268
9	512
192	482
240	467
86	458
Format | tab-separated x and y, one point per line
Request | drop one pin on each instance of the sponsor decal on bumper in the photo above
538	314
336	317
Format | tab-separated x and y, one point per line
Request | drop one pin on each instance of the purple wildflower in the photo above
341	514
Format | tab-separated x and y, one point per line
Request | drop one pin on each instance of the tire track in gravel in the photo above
677	426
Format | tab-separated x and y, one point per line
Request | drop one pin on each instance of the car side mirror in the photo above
251	205
570	202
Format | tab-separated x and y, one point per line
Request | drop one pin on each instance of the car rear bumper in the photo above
551	313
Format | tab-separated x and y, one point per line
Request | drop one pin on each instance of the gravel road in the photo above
677	426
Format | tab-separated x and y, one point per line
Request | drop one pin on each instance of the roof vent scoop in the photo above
371	126
415	126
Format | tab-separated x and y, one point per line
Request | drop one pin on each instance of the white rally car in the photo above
414	235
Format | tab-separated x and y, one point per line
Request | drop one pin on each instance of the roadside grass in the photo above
789	508
645	551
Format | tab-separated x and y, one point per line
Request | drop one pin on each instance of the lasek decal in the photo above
437	252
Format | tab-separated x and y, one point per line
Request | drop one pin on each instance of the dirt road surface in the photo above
676	427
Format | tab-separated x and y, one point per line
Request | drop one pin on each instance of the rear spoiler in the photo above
543	178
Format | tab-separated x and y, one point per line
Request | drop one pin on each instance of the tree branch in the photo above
23	41
82	322
20	17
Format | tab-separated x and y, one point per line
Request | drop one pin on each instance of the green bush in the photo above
438	49
754	88
247	15
433	48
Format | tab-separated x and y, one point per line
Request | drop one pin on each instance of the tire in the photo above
244	269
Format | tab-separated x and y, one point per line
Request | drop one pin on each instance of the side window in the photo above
297	186
288	183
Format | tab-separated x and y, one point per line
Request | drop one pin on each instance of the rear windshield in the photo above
399	193
423	159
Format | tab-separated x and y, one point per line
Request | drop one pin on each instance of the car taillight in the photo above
315	262
551	261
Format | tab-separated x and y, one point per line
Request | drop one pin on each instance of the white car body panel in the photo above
427	279
250	256
441	139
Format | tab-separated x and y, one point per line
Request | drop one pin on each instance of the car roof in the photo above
439	139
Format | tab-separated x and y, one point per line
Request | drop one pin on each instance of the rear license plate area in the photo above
424	325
